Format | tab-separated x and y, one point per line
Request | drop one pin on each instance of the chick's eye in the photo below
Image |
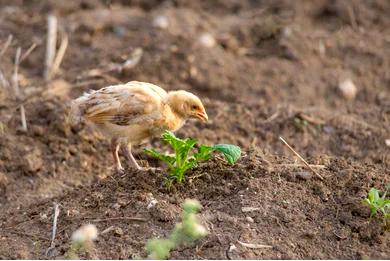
194	107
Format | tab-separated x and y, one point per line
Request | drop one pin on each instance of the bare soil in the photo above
273	71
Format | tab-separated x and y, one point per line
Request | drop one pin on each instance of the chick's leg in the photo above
115	152
130	157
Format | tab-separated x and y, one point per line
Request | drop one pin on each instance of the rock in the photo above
161	22
232	247
153	202
207	40
387	142
249	219
118	231
348	89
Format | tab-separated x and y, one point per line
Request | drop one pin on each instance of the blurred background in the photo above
316	72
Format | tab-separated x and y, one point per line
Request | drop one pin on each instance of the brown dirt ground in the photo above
274	62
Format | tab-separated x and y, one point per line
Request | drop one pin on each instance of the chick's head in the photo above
187	105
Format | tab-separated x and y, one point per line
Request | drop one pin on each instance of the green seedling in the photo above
300	123
378	203
184	233
186	157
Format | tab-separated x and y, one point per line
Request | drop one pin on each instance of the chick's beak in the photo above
202	115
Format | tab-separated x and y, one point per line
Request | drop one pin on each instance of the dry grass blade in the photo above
28	52
15	76
60	55
15	85
54	229
3	81
295	165
50	44
352	17
253	246
300	157
120	218
6	45
23	118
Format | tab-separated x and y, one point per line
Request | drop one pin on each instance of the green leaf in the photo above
204	153
373	195
183	149
189	164
231	152
172	140
169	160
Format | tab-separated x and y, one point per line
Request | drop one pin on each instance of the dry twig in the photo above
299	165
15	85
107	230
300	157
253	246
54	230
50	45
60	55
6	45
3	81
352	17
28	52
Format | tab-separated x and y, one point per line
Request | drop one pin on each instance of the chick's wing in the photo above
132	103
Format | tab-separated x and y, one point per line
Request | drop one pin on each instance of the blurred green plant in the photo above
300	123
183	160
82	240
378	203
184	233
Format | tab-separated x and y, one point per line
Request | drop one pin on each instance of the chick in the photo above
131	113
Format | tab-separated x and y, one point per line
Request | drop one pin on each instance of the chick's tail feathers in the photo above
77	110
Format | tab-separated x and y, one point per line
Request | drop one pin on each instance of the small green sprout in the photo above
185	158
379	203
185	232
300	123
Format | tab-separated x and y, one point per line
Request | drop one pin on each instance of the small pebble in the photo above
161	22
207	40
249	219
232	247
118	231
152	203
286	32
348	89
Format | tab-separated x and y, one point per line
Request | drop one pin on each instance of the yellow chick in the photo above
131	113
